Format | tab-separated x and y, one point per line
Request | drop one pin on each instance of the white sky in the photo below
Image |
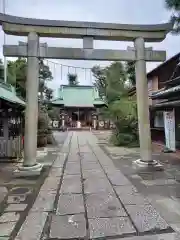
115	11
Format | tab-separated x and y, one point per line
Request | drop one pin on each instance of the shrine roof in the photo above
78	96
165	93
7	93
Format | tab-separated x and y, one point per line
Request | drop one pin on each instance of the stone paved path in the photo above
86	197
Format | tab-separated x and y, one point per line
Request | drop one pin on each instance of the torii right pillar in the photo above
143	108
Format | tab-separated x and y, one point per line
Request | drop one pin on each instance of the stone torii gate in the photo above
87	31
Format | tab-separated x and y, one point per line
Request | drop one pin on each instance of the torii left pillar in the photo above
30	166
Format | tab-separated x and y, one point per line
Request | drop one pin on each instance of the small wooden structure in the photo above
11	122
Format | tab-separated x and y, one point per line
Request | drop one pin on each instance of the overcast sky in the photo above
115	11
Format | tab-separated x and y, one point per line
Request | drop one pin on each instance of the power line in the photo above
68	66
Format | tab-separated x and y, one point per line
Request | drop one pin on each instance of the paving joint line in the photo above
83	193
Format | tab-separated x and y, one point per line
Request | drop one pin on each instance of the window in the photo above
159	119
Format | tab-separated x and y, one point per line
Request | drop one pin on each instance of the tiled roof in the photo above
165	92
78	96
7	92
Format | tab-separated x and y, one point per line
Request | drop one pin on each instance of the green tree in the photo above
111	82
48	94
17	73
72	79
130	71
54	113
100	80
174	6
45	75
116	78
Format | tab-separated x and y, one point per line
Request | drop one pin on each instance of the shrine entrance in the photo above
88	32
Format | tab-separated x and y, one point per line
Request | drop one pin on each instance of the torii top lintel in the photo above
71	29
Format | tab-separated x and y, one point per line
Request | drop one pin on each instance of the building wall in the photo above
152	86
177	126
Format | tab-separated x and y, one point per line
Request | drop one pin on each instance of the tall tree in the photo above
116	78
45	75
72	79
17	73
174	6
48	94
100	80
130	71
111	82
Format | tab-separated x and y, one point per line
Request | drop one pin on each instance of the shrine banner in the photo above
169	127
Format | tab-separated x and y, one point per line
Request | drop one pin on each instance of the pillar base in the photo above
28	171
151	165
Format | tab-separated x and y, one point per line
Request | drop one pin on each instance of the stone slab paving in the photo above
96	185
168	236
44	201
33	226
70	204
110	227
88	198
56	172
117	178
3	193
68	227
104	205
161	188
16	207
9	217
71	184
146	218
93	174
130	196
72	168
6	228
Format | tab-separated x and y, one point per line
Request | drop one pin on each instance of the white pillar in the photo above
30	166
31	114
143	103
